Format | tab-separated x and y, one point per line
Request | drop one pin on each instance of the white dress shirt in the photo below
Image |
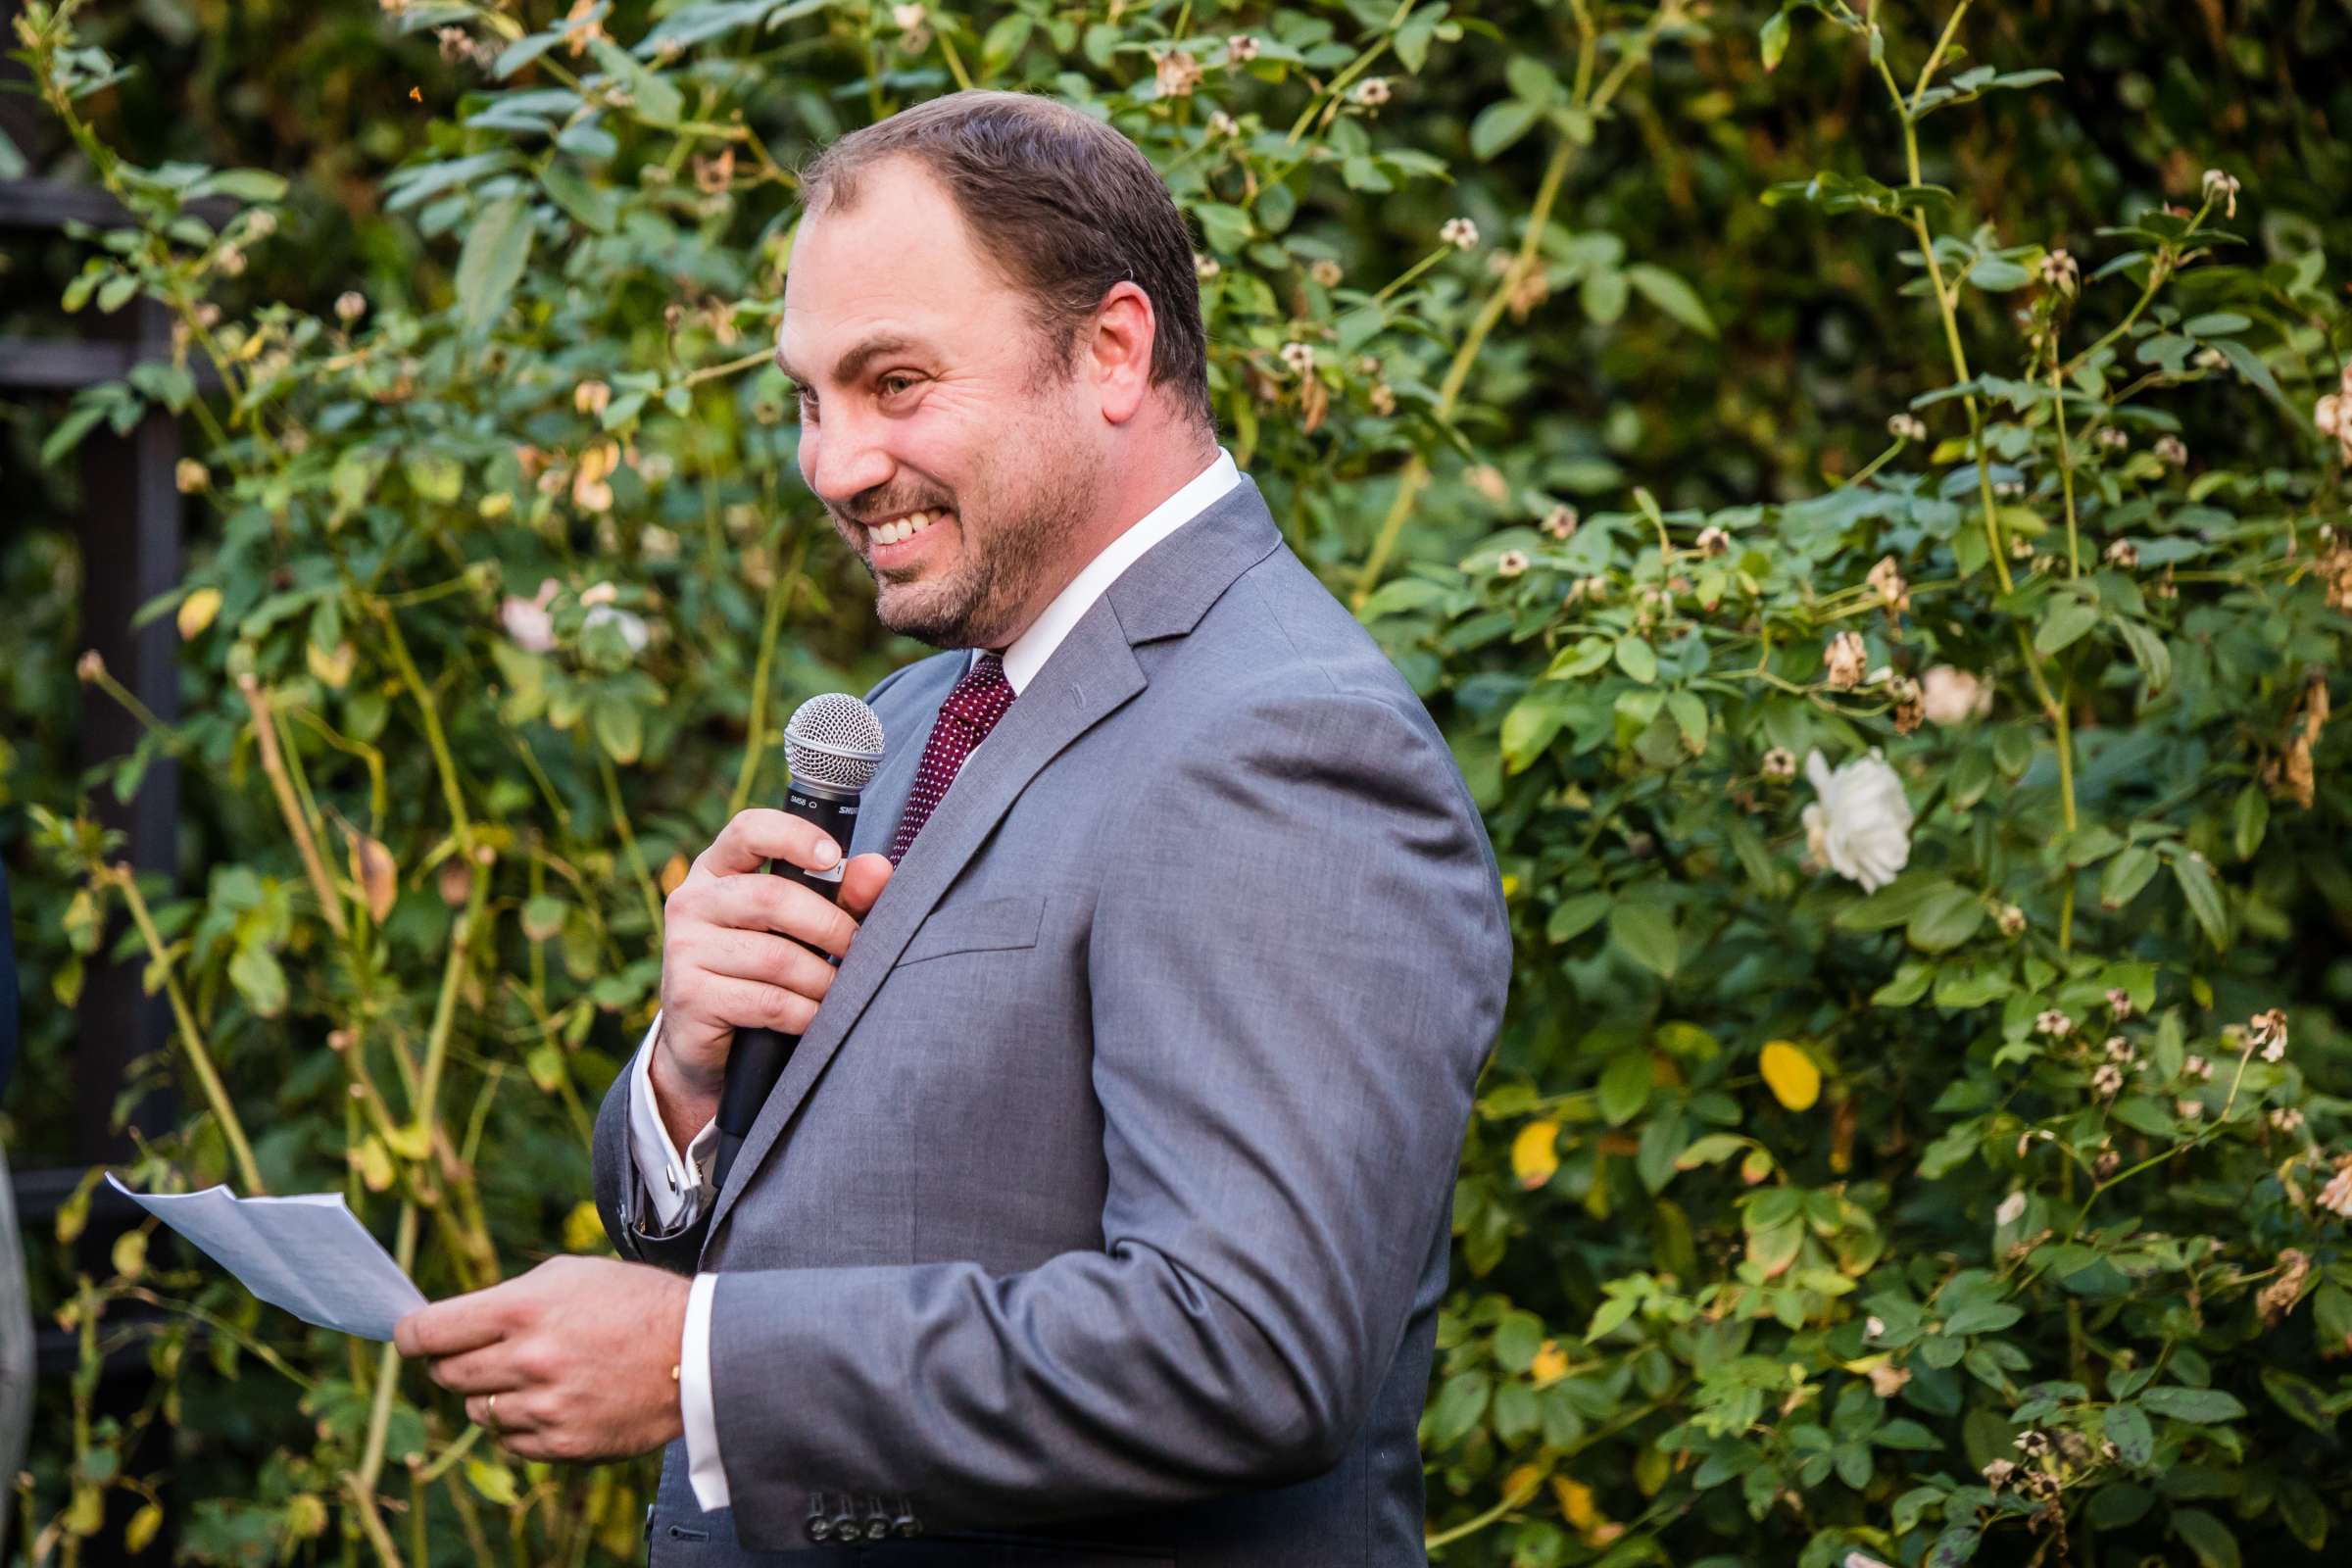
678	1189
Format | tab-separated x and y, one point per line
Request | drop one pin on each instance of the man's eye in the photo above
889	383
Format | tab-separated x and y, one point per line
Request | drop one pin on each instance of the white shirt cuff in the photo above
675	1186
703	1471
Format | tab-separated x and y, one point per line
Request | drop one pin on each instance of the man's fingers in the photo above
755	1004
861	882
488	1370
513	1416
763	834
776	903
756	955
461	1323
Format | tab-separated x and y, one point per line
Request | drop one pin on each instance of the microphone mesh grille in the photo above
834	739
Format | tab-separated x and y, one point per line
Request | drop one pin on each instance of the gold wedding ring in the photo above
490	1411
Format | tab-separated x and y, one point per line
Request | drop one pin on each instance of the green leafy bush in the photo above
1912	1134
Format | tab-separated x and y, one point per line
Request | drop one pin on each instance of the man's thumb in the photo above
861	881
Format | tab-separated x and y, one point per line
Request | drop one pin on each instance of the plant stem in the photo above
201	1059
1416	472
298	824
628	841
430	713
444	1008
2066	464
371	1523
387	1370
779	594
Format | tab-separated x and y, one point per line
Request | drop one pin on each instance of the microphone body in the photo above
758	1057
833	743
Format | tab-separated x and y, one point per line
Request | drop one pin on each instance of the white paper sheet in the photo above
307	1252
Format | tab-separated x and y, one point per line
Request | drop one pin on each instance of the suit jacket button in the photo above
845	1520
820	1528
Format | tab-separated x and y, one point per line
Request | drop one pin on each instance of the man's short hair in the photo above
1063	205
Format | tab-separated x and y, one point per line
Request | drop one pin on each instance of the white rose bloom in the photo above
632	626
1862	823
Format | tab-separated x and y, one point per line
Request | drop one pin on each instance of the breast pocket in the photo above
983	925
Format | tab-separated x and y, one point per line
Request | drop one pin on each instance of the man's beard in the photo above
998	570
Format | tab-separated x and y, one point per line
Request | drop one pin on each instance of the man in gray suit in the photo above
1102	1212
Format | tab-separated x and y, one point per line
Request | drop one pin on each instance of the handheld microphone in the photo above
832	743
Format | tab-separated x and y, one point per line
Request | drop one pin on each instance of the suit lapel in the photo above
1091	675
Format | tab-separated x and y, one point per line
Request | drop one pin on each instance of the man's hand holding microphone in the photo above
733	954
580	1351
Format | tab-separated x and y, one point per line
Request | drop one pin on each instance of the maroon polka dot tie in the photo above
964	719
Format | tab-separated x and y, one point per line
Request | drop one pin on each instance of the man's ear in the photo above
1119	354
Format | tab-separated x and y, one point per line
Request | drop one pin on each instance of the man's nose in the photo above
845	461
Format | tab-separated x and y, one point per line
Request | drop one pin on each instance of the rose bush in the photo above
1893	656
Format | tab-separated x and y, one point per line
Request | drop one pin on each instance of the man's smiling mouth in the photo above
903	527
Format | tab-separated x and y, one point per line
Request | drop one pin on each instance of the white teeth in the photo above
907	527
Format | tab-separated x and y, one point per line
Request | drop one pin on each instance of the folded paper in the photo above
306	1253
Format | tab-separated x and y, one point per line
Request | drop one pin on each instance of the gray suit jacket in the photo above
1102	1212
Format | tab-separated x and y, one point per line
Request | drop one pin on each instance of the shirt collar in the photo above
1028	651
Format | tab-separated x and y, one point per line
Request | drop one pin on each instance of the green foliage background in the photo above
1789	1207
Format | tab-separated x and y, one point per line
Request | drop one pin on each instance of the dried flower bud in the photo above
1843	659
2267	1031
1176	73
1240	48
1459	232
2218	183
1906	427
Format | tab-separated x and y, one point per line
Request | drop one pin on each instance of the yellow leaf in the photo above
408	1141
131	1254
1793	1079
673	872
492	1480
306	1516
196	612
375	1162
1575	1502
584	1228
331	666
1549	1366
1534	1159
1521	1483
142	1528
